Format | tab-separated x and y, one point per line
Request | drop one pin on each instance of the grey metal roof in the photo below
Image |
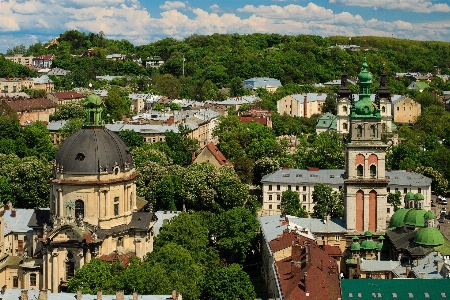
261	82
271	225
34	294
162	216
333	176
19	223
56	125
428	266
378	265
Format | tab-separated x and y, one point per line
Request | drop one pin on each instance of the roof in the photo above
328	121
30	104
39	217
19	223
34	294
221	159
68	95
398	289
163	216
333	176
378	265
261	82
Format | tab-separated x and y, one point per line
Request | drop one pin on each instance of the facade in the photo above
43	61
301	105
418	86
93	209
20	59
210	153
31	110
270	84
66	97
14	85
406	110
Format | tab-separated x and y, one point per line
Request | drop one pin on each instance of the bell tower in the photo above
365	181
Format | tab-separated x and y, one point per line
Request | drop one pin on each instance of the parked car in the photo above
441	219
443	210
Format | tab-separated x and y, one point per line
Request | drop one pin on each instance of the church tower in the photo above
365	181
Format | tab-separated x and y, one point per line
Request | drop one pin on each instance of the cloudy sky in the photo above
143	21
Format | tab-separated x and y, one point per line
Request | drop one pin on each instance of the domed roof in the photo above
355	246
94	150
409	196
365	76
365	107
94	99
368	245
415	217
398	218
429	215
419	197
429	236
368	233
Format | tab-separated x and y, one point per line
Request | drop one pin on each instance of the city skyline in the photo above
143	21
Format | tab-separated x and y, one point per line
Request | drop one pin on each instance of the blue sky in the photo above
144	21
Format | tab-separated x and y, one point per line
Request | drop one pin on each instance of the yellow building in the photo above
406	110
301	105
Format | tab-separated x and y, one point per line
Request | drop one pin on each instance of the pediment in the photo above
66	234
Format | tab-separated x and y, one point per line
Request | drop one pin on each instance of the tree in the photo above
327	202
235	233
168	85
116	106
131	138
70	110
39	141
90	278
71	126
327	151
427	99
290	204
264	166
244	169
227	283
438	184
395	199
330	104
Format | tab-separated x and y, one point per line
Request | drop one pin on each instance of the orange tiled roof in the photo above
68	95
218	155
30	104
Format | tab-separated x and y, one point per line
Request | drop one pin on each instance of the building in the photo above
14	85
66	97
31	110
301	105
44	83
418	86
210	153
94	210
325	123
269	84
154	62
20	59
406	110
43	61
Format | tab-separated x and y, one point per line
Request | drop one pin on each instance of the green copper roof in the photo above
368	245
379	246
327	121
368	233
381	238
355	246
94	109
365	76
429	236
355	238
409	196
415	217
398	218
94	99
419	197
429	215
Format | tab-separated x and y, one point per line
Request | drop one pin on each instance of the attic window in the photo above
350	295
298	175
331	176
410	295
443	295
286	175
394	295
426	295
359	295
80	157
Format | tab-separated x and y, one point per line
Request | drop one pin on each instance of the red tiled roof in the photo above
332	250
260	120
31	104
218	155
124	258
322	278
68	95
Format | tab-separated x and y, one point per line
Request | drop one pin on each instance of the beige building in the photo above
14	85
301	105
31	110
211	154
20	59
66	97
406	110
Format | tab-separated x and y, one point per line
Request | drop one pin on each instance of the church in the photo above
93	213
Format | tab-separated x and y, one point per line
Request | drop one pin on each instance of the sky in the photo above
144	21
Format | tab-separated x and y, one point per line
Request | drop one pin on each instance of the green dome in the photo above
355	246
379	246
368	245
365	107
368	233
428	215
94	99
365	76
381	238
409	196
398	218
429	237
355	238
415	217
419	196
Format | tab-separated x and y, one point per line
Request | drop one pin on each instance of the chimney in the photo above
42	295
13	213
440	264
99	295
174	294
305	106
296	252
119	295
408	269
135	295
4	289
285	168
24	295
409	170
306	281
79	295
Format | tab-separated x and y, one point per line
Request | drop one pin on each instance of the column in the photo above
60	203
55	275
44	268
100	204
366	211
134	197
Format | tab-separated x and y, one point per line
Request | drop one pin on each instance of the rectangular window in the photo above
396	189
419	190
388	210
278	197
20	245
405	190
278	206
322	237
116	206
289	187
337	238
15	281
388	189
304	207
278	187
270	206
270	187
33	279
304	198
304	188
270	197
340	187
297	188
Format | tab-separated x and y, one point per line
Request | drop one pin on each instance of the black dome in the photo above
91	150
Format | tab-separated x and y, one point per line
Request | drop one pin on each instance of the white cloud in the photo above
420	6
172	5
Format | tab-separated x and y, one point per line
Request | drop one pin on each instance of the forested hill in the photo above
222	58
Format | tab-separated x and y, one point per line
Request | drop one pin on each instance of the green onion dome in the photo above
429	236
368	233
415	217
398	218
409	196
429	215
368	245
419	197
355	246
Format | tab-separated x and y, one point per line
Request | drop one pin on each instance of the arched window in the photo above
32	279
383	109
70	269
344	126
360	171
344	108
359	131
372	130
373	171
79	208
